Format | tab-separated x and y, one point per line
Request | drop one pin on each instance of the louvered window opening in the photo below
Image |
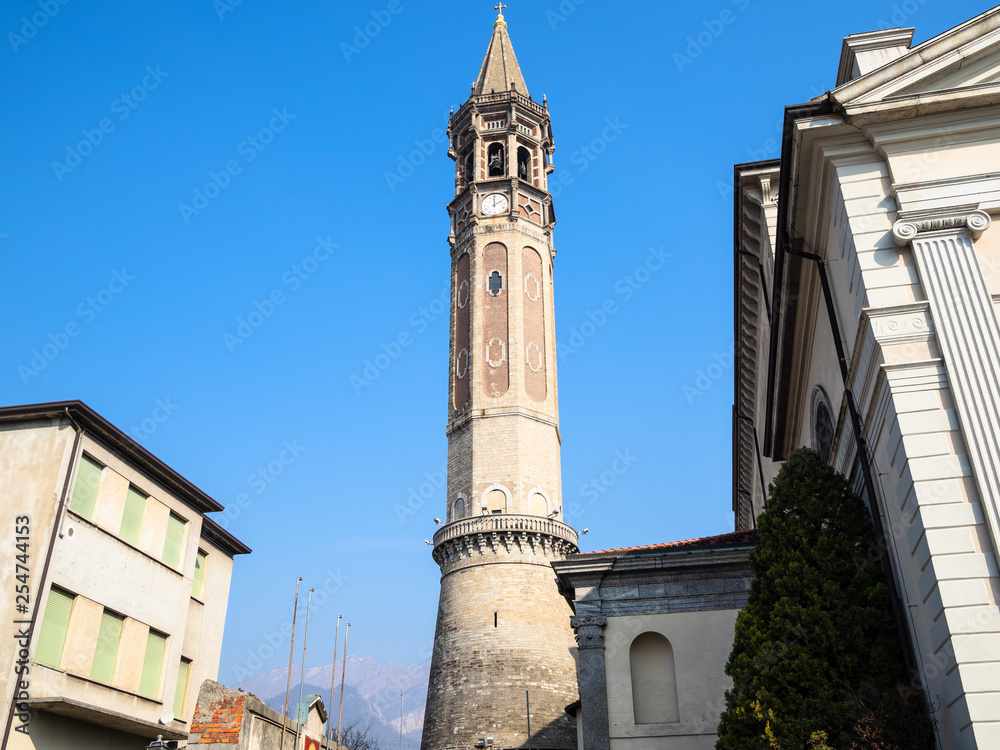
135	509
88	479
180	693
173	542
198	581
108	639
152	664
55	625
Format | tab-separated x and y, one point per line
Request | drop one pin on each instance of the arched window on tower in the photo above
524	164
654	680
497	160
470	168
459	509
823	427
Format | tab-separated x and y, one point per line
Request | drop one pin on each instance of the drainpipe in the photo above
909	658
56	533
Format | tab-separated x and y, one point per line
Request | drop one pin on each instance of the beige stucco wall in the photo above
90	561
32	467
701	644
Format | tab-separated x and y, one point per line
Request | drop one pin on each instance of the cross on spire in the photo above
500	8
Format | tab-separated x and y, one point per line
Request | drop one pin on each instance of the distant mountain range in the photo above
371	690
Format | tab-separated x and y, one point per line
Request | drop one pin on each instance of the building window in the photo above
152	665
654	681
106	653
470	168
459	509
135	509
55	625
88	479
496	160
174	542
523	163
495	501
181	691
495	283
198	581
537	505
823	428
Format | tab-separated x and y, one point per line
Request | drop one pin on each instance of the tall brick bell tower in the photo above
502	627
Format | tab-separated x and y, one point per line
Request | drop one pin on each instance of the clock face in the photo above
494	203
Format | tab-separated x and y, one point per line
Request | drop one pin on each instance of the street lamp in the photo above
159	744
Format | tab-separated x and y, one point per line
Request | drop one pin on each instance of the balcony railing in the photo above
502	522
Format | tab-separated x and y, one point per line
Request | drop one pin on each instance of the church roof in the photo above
500	68
733	539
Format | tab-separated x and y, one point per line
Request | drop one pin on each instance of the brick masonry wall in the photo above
218	718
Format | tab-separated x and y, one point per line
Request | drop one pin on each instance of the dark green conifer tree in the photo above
816	659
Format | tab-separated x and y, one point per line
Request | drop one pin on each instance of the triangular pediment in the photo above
962	63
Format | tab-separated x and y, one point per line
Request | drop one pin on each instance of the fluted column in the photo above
967	331
593	681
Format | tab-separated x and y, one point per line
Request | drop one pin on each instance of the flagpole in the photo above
302	671
291	651
333	679
343	671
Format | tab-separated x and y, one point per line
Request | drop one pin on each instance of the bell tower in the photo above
503	629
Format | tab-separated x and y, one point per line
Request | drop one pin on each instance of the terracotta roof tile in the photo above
733	538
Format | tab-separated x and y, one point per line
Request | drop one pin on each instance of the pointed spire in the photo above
500	71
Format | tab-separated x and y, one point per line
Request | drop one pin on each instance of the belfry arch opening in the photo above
523	164
470	167
496	160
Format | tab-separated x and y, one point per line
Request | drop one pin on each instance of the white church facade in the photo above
867	264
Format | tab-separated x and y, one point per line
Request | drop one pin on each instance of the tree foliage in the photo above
816	661
359	735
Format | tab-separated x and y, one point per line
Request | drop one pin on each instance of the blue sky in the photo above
218	213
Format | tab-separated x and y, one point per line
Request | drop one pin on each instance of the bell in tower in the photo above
503	631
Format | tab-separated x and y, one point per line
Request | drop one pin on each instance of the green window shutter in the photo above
135	508
88	478
180	693
106	654
55	623
152	665
198	582
174	541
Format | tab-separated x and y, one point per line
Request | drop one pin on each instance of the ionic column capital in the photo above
910	226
